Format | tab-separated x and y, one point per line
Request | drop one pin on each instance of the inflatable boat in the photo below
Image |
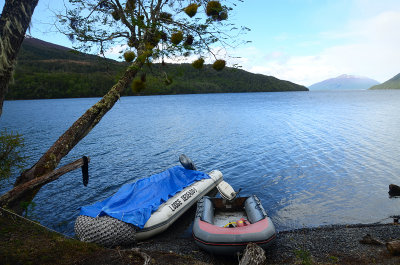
145	208
225	226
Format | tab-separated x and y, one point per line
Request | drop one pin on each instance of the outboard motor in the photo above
187	162
226	191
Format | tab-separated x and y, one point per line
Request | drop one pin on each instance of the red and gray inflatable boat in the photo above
226	226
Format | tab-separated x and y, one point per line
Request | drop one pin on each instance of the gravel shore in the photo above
323	245
25	242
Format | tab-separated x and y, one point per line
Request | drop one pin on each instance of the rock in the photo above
394	190
253	255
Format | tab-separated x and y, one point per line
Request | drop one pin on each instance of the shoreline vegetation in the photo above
45	70
23	242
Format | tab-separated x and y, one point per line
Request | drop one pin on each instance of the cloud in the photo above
368	47
116	51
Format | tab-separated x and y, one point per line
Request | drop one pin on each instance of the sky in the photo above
302	41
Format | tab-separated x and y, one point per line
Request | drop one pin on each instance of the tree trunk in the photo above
49	161
14	22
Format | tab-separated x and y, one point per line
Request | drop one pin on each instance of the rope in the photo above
26	219
230	223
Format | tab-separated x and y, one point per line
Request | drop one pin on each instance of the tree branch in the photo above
11	197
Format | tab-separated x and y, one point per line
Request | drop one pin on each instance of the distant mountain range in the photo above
345	82
393	83
47	70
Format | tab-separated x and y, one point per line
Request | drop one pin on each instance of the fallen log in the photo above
13	196
368	239
393	247
253	255
394	190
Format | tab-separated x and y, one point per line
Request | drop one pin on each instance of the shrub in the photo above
10	153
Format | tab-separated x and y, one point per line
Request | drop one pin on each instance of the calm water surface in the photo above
314	158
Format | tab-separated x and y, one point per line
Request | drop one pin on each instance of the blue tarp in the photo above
134	203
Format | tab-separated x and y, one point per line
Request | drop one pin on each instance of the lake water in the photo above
314	158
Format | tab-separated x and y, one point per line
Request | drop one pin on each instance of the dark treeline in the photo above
45	70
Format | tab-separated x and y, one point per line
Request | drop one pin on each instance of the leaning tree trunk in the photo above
14	22
49	161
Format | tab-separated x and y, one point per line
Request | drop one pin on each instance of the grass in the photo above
304	256
23	242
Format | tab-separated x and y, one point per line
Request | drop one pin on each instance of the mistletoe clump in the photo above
165	16
222	16
213	8
130	5
129	56
176	37
219	65
189	40
191	10
198	64
116	15
216	11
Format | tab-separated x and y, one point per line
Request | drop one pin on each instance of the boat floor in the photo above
222	218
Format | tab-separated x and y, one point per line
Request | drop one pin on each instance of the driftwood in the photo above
13	196
145	257
394	190
253	255
393	247
368	239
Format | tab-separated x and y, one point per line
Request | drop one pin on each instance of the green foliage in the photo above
57	73
198	64
11	159
333	259
98	25
176	37
304	256
393	83
138	85
219	65
129	56
28	208
191	10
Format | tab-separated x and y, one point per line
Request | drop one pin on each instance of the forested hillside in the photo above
392	83
46	70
